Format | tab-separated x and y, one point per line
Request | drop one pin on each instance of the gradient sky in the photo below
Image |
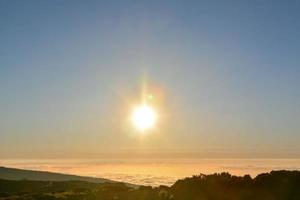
228	71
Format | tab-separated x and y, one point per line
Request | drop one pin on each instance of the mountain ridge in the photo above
8	173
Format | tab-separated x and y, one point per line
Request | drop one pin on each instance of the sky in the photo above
225	75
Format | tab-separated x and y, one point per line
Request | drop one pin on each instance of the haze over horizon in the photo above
223	79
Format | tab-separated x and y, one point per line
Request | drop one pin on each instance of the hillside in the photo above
20	174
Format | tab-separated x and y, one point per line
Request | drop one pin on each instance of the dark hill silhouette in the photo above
276	185
19	174
22	174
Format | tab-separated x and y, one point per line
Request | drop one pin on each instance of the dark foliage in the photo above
276	185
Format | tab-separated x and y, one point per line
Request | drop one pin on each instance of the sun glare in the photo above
143	117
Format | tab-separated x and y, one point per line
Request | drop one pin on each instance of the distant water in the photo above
154	171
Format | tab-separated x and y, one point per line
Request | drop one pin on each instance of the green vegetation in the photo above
276	185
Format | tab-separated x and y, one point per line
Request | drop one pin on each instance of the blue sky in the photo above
229	70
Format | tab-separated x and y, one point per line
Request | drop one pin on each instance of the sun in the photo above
143	117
